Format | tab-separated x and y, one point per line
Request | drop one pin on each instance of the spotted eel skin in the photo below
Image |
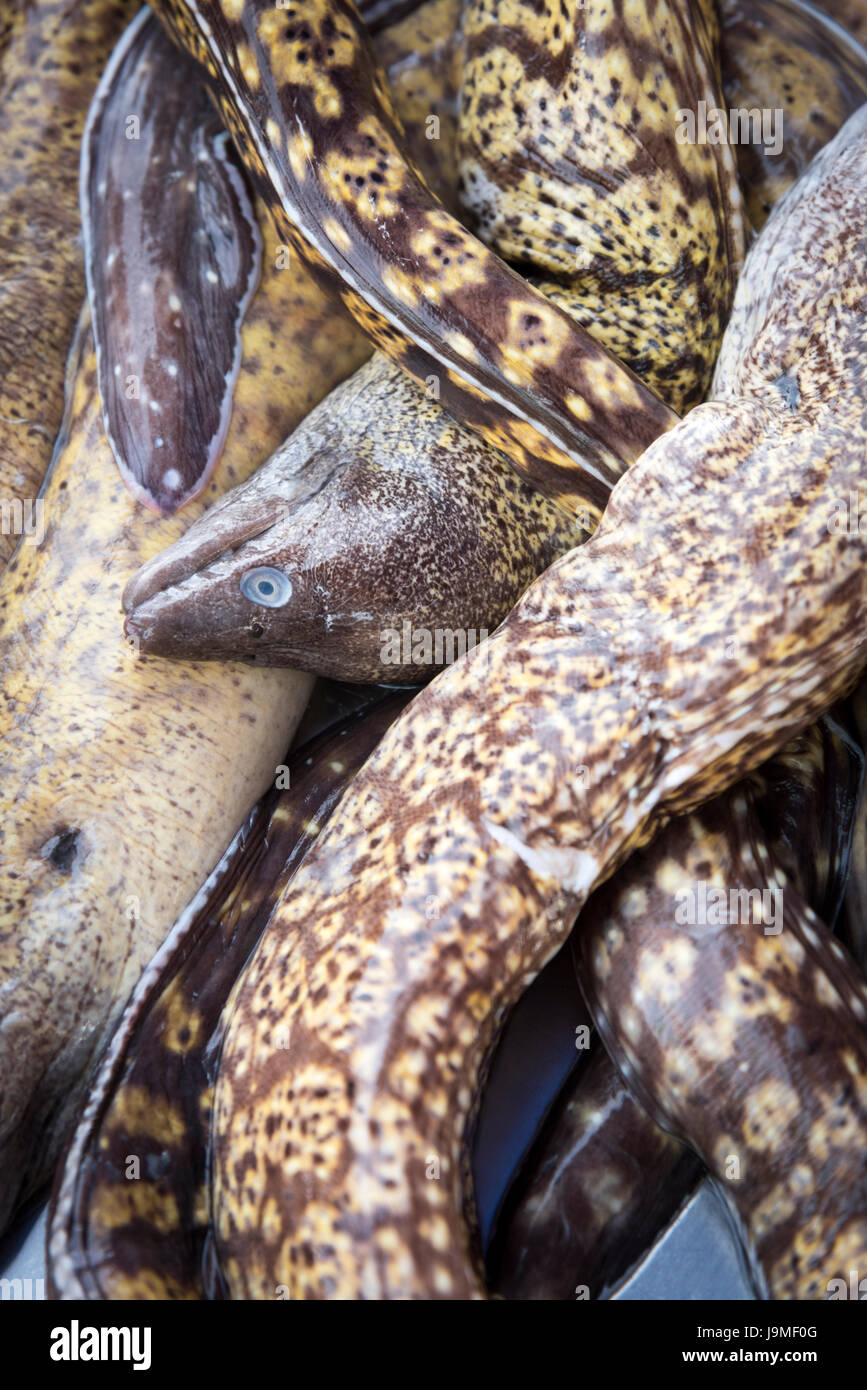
381	447
52	53
309	108
569	162
113	1238
782	55
604	1178
608	701
718	1024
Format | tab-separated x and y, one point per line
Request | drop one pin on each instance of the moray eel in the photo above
610	699
570	166
746	1038
110	1237
600	1183
350	589
800	76
376	545
152	767
303	95
603	1179
173	255
383	538
51	57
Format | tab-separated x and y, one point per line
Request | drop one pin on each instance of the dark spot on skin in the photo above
61	850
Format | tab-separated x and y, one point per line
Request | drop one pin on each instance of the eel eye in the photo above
268	587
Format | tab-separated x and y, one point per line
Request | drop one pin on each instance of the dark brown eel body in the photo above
173	254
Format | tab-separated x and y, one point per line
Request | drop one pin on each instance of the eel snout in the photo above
229	588
191	600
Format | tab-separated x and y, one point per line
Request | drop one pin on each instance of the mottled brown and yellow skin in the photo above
603	1178
52	53
609	700
748	1041
385	513
439	574
777	55
570	164
310	110
124	779
112	1237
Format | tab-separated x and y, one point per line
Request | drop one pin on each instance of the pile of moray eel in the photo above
322	328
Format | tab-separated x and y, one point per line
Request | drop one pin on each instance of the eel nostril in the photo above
61	850
256	629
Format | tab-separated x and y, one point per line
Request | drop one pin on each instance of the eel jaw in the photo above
203	617
187	602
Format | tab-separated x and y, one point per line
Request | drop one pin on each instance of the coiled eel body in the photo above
303	96
105	839
614	665
603	1178
381	448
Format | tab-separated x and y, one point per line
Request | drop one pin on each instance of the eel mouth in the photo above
202	571
188	602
